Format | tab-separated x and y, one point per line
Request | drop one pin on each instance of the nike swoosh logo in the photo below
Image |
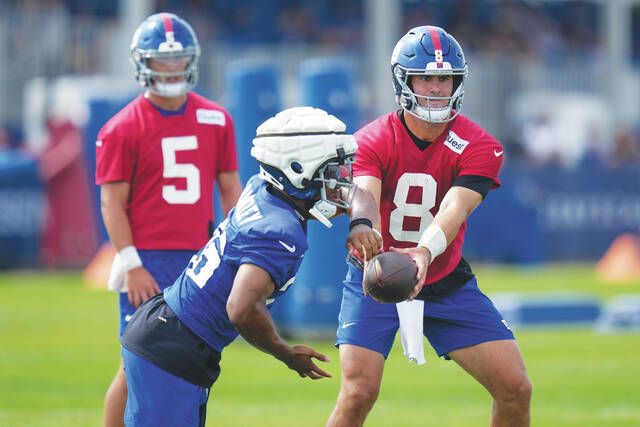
291	249
345	325
498	153
127	317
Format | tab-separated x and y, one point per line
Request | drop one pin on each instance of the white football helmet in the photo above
305	152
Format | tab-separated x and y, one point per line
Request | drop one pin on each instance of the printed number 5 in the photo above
171	169
415	210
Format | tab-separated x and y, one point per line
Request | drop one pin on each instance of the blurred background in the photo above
557	246
556	81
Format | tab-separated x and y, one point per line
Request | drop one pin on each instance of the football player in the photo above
428	167
157	162
173	343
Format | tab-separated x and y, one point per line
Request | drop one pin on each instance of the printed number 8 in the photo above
417	210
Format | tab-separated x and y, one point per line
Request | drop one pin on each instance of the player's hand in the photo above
422	257
141	286
364	241
300	360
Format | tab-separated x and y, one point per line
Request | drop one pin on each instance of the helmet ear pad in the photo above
279	179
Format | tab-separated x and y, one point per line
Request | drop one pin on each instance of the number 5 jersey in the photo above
171	160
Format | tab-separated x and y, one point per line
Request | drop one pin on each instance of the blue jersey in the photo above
263	230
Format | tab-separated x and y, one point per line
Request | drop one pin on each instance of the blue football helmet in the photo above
165	37
428	50
305	153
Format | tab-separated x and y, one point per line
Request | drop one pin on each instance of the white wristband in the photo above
433	239
130	258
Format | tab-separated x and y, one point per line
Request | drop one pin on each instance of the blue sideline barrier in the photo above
328	83
314	302
550	214
253	96
554	309
22	207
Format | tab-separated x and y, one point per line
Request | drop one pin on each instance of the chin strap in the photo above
322	211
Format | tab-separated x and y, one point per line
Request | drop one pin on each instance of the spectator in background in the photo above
563	128
69	236
5	140
157	162
626	148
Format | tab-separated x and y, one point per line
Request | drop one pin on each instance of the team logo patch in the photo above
210	117
456	143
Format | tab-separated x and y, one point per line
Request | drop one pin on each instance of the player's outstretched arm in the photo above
456	206
248	312
364	237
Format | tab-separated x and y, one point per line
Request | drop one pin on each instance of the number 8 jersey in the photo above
171	162
416	177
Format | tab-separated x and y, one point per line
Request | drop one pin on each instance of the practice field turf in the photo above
58	353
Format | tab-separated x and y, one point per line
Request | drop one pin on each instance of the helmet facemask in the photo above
160	82
336	189
424	110
330	188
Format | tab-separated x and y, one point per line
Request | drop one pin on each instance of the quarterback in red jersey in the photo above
173	161
415	176
428	167
157	162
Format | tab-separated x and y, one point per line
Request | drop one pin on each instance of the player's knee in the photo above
525	390
517	392
360	395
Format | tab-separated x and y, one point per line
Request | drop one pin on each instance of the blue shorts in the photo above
156	398
461	319
164	267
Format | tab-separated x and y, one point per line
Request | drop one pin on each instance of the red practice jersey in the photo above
171	163
414	182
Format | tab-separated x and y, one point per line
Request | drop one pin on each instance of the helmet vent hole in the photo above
296	167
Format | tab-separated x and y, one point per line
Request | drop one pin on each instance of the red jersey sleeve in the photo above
368	160
114	158
483	158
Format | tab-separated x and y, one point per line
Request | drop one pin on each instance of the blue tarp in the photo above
21	210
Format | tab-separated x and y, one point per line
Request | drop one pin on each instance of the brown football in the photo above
390	276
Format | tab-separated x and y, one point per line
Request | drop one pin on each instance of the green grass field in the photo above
58	353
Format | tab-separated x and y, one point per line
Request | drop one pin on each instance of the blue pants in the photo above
461	319
157	398
164	267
